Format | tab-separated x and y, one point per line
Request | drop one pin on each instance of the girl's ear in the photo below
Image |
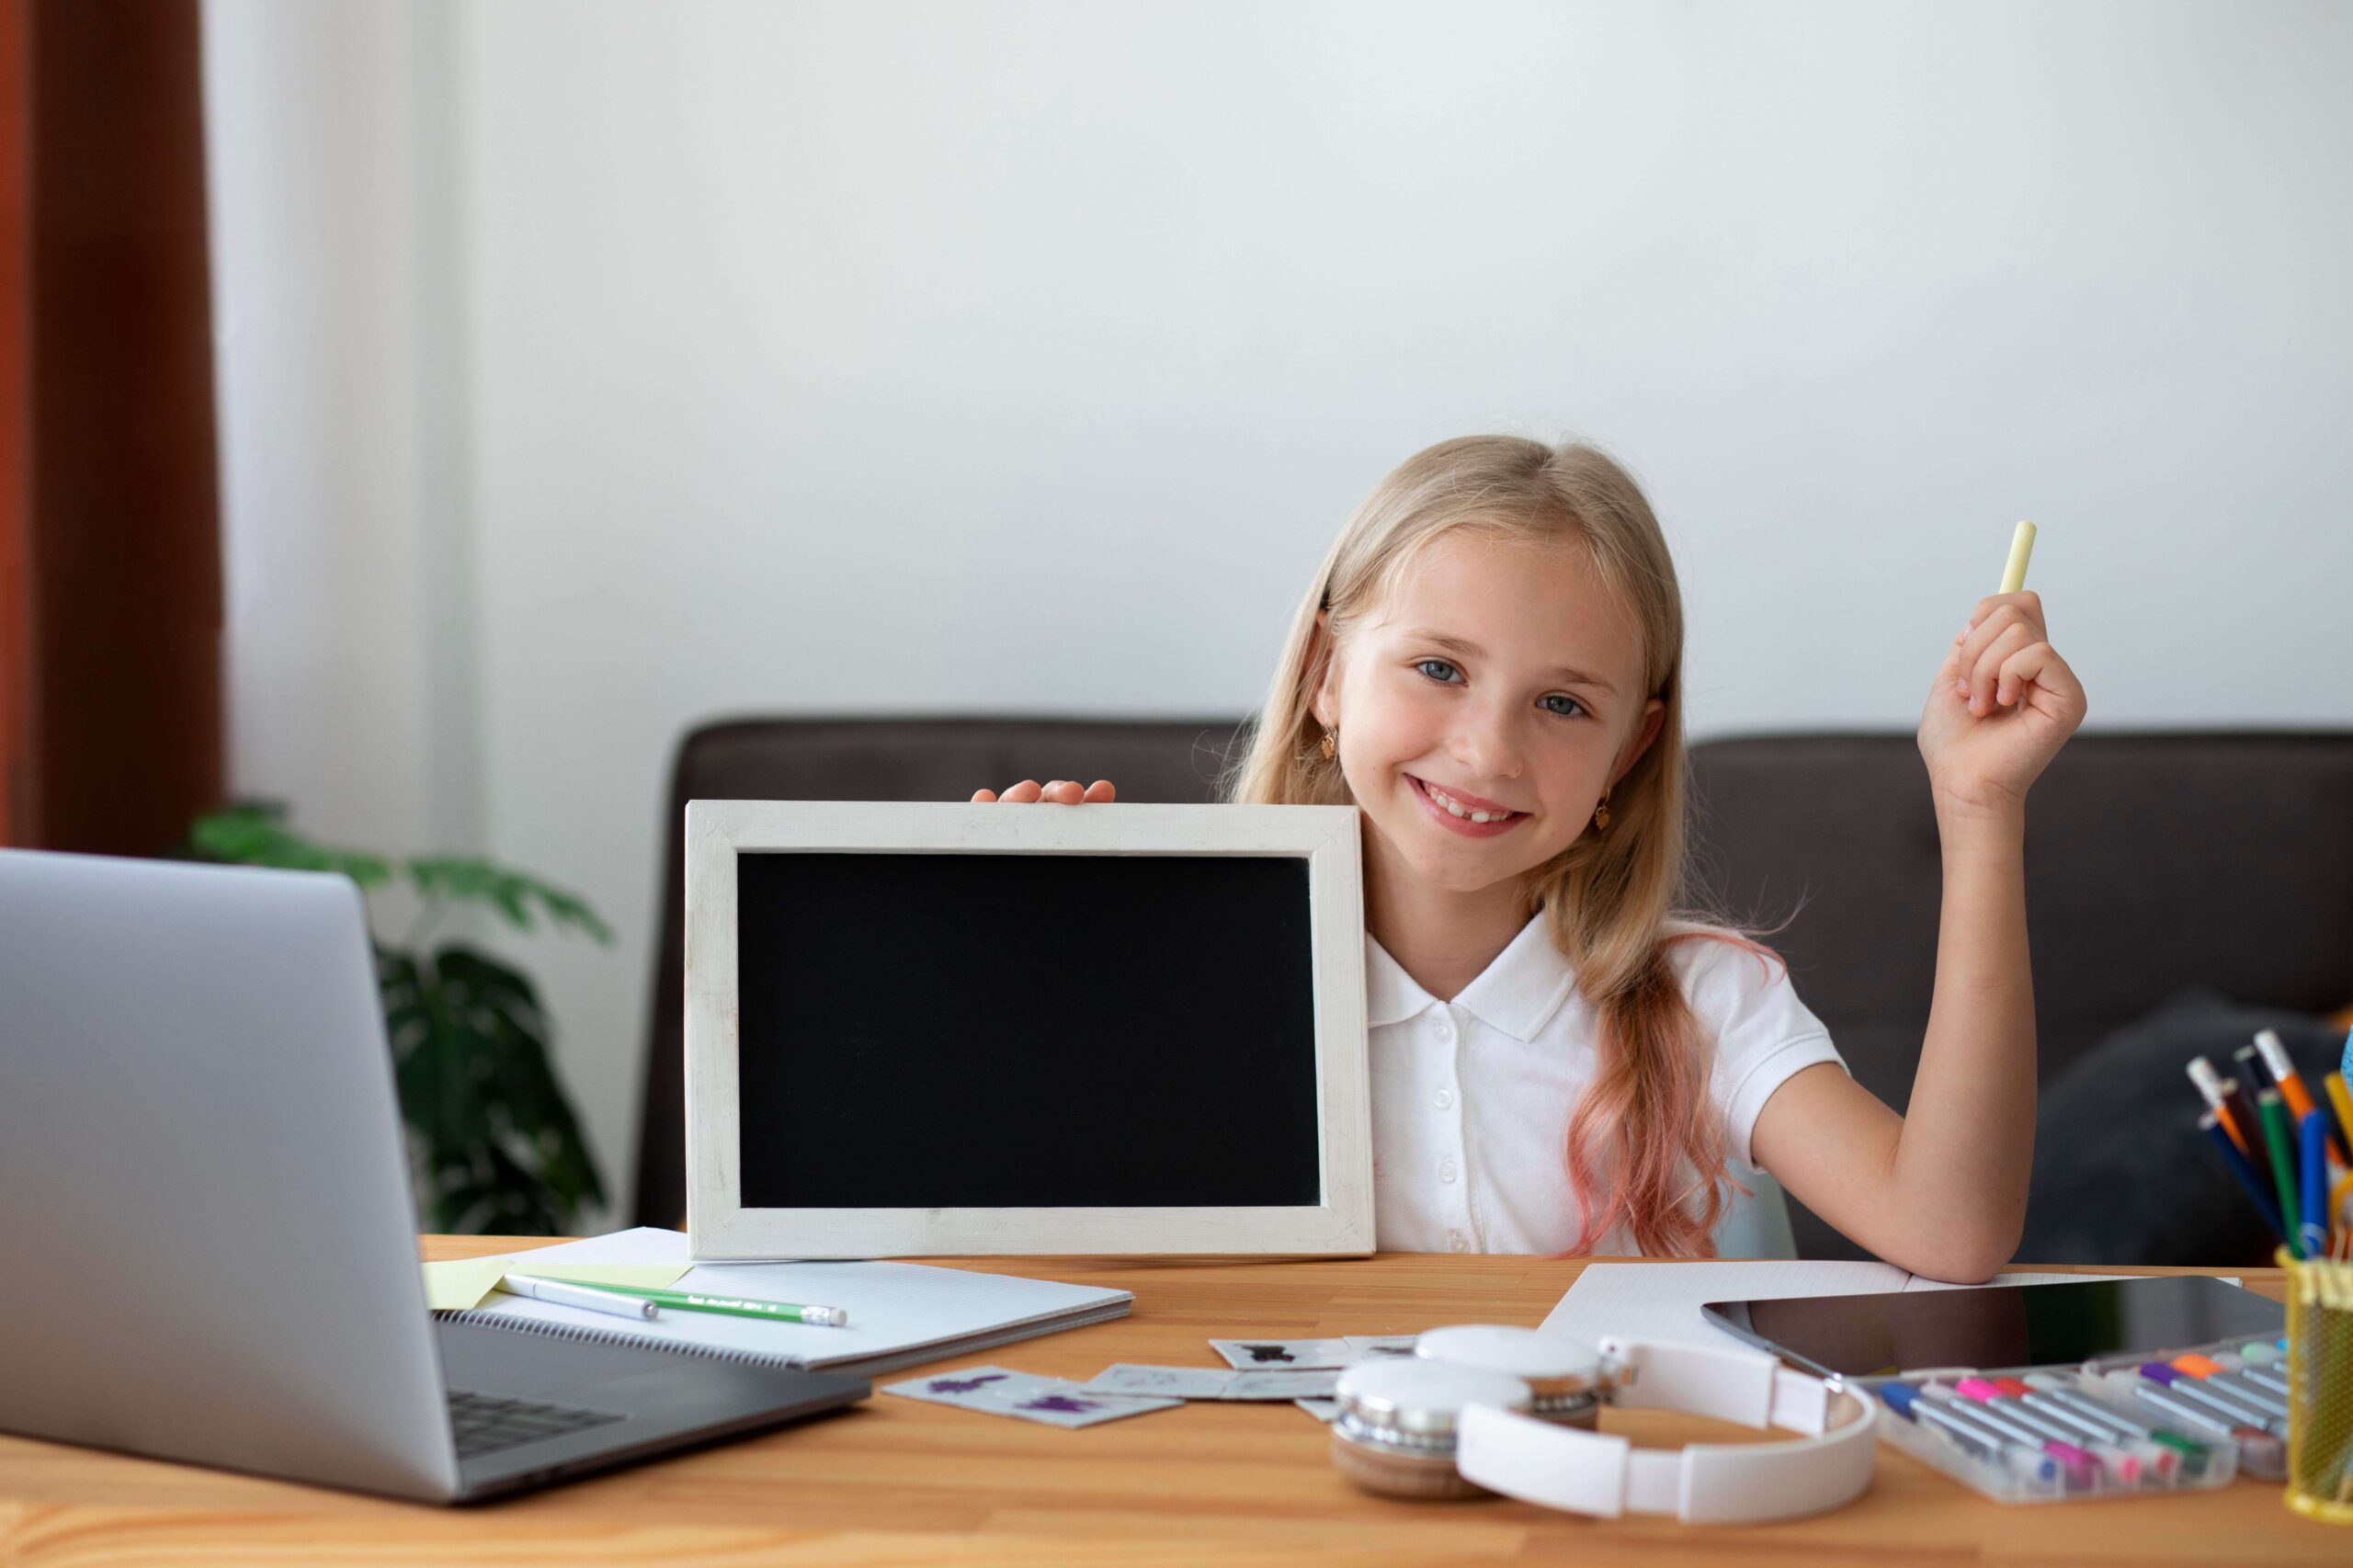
1645	731
1321	697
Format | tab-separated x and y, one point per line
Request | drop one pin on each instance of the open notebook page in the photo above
891	1306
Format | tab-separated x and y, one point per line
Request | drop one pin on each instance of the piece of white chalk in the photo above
2021	547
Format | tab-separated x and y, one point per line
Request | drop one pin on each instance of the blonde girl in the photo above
1489	666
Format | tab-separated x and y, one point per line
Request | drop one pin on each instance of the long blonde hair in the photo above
1608	898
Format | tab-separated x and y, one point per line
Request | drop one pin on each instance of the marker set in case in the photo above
2117	1425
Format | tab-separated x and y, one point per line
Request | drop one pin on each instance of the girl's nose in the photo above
1488	746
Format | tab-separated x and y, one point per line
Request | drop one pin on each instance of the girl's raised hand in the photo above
1060	791
2002	704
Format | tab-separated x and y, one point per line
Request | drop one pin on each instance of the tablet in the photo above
1999	1326
942	1027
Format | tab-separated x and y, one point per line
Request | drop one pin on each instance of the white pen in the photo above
563	1294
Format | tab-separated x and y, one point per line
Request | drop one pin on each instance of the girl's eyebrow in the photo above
1470	650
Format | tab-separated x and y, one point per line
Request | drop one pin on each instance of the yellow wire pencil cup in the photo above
2320	1388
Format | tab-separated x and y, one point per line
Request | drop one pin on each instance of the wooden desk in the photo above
898	1481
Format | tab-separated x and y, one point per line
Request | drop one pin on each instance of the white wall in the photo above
598	368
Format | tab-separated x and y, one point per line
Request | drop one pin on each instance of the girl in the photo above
1489	666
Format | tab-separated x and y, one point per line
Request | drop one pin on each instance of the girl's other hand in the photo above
2003	705
1060	791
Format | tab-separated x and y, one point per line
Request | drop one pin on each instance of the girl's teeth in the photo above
1458	811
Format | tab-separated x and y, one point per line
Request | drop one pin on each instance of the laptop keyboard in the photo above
486	1423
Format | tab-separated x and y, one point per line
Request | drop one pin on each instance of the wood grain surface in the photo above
898	1481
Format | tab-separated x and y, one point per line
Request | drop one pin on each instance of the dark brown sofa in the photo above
2154	861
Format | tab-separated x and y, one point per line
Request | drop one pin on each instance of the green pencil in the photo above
739	1306
2281	1141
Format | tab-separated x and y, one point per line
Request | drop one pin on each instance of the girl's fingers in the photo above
1978	635
2026	602
1983	675
1062	792
2038	664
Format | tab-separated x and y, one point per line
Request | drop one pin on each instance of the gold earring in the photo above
1331	743
1602	814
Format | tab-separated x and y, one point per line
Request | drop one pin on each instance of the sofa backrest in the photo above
2154	861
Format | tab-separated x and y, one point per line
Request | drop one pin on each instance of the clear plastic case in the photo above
2072	1434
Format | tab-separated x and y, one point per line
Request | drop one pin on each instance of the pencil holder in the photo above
2320	1388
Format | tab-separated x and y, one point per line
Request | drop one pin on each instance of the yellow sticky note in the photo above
461	1284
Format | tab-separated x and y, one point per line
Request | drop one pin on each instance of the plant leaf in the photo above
254	835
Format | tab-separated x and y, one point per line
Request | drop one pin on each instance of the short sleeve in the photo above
1763	1033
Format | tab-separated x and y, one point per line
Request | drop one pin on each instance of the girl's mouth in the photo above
1468	824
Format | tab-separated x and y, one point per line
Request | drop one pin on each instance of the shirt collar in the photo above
1518	992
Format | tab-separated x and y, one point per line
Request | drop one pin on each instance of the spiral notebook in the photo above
900	1313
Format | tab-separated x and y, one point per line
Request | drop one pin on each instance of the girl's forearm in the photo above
1968	1139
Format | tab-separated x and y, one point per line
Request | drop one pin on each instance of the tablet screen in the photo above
1010	1031
2000	1325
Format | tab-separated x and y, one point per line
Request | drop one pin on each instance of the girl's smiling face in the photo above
1503	677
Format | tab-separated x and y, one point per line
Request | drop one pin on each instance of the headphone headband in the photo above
1590	1472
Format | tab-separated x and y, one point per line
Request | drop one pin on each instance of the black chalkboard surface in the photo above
1025	1030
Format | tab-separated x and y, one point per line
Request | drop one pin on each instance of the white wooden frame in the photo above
1324	836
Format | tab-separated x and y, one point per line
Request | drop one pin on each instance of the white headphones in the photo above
1588	1473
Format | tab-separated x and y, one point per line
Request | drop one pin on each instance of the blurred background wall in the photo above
588	369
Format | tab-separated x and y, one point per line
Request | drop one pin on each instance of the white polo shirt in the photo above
1471	1099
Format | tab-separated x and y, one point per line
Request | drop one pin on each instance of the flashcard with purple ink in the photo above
1051	1401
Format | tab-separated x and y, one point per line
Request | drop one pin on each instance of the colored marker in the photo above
2312	1234
2021	551
588	1298
2233	1405
2259	1451
2215	1376
2281	1142
2009	1396
2211	1124
2340	1100
2034	1465
2260	1353
2260	1375
2080	1467
2159	1462
2283	1072
1902	1398
2174	1450
2240	1092
2217	1096
2215	1090
2132	1385
739	1306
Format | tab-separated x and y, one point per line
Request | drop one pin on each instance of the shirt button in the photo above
1444	1098
1445	1028
1446	1170
1457	1242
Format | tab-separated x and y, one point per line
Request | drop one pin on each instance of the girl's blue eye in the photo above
1448	672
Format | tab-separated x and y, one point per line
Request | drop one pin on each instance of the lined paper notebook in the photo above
1662	1301
900	1313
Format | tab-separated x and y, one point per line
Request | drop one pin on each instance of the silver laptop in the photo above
207	1241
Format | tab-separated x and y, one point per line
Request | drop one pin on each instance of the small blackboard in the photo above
1043	1028
1007	1031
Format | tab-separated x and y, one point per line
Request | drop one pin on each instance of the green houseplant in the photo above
495	1142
